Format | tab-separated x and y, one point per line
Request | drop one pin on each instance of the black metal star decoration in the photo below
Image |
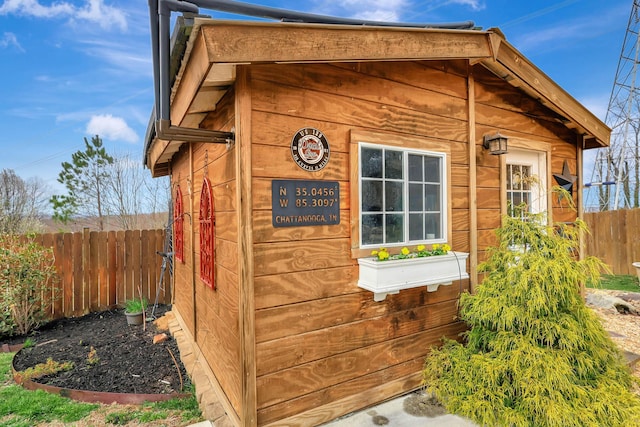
566	180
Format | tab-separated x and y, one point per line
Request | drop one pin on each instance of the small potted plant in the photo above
134	310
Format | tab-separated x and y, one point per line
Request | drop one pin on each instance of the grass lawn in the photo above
618	283
25	408
20	407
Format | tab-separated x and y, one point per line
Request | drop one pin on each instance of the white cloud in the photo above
105	16
391	10
373	4
568	30
10	39
94	11
374	10
380	15
129	58
473	4
35	9
110	127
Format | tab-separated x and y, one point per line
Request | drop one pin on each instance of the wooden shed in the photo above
329	141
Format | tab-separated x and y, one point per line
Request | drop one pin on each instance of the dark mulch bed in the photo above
128	362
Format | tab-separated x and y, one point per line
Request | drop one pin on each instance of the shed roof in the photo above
216	47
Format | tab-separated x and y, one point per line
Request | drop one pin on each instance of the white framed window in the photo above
526	172
402	195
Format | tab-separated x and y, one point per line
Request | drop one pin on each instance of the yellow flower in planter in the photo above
436	249
382	254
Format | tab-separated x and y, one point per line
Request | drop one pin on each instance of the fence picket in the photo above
78	275
128	266
58	291
145	256
86	270
94	260
120	266
102	270
137	271
111	268
67	274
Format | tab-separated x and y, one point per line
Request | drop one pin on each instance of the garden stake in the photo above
177	367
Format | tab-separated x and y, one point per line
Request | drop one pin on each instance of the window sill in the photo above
390	277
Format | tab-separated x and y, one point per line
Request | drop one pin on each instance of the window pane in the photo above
393	196
509	176
372	229
389	176
415	197
431	197
393	164
516	179
416	227
526	175
371	163
517	198
415	168
394	228
432	226
432	169
371	196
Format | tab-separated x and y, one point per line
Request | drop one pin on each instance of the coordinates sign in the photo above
298	203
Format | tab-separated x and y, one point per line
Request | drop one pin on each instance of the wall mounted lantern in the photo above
496	144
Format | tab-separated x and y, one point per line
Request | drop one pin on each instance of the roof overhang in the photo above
216	47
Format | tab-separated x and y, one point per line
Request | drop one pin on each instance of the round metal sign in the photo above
310	149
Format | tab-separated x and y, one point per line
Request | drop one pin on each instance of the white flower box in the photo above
392	276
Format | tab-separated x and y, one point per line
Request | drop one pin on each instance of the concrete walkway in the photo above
411	410
392	414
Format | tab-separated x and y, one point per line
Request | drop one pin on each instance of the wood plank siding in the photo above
319	338
528	124
211	316
289	337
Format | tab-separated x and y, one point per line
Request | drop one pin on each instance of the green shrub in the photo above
6	323
535	354
27	273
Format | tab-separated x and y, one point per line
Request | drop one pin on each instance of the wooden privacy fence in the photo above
615	238
101	269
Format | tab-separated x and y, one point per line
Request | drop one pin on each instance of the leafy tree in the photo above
21	202
535	354
85	180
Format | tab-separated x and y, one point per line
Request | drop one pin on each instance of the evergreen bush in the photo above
534	354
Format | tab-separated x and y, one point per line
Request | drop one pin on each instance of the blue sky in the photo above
73	69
